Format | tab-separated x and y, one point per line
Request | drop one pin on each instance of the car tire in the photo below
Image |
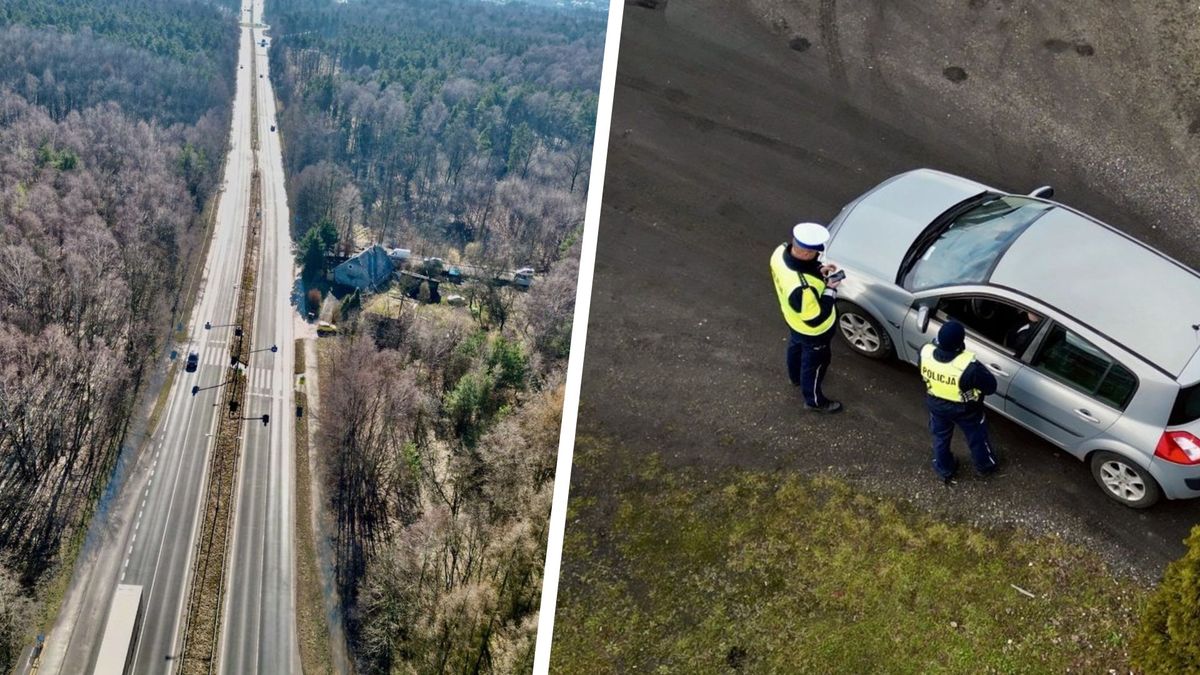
862	333
1124	481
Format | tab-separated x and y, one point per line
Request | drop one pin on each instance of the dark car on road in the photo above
193	360
1111	371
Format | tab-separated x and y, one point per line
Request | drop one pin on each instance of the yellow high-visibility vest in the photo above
941	379
786	281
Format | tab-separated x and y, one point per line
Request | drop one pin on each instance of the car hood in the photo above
872	234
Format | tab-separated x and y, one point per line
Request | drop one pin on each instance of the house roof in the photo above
374	261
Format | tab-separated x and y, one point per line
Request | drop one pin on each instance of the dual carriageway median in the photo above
202	622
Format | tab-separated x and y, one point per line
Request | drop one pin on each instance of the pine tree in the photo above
1169	638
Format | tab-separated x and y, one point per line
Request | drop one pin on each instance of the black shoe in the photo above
948	481
830	407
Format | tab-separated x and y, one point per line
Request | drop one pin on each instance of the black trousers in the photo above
807	362
943	416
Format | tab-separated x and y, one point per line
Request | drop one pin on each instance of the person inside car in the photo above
1018	338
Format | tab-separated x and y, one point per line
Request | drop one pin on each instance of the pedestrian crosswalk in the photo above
261	383
214	370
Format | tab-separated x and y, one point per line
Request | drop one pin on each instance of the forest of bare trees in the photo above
439	442
461	129
111	143
437	124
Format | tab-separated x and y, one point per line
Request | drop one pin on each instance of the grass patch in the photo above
668	572
298	350
160	403
310	607
381	304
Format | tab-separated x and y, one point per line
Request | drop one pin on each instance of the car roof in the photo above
1118	286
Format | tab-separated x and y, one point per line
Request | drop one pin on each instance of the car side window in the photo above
1077	363
1005	325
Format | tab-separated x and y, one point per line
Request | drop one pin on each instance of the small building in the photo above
400	256
370	268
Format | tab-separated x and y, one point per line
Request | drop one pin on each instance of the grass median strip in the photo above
676	572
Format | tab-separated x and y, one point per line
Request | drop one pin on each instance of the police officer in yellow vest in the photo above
955	385
808	304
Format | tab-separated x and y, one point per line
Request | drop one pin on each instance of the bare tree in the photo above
16	613
549	309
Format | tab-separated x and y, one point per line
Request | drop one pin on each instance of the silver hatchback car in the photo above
1086	329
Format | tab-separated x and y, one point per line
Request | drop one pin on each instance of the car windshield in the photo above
968	247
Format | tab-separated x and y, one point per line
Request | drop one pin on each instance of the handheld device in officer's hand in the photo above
836	276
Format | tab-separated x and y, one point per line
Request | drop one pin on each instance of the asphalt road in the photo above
259	627
146	536
732	121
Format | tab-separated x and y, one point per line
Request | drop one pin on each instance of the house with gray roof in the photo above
370	268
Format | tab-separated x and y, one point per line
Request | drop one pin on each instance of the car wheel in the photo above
862	332
1124	481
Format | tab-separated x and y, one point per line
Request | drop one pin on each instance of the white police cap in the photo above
811	236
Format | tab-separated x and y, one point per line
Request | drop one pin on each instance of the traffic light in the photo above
266	419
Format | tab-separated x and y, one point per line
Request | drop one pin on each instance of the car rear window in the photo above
1187	406
968	249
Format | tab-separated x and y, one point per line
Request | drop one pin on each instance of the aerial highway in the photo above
145	534
258	625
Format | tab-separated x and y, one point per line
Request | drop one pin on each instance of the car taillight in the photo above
1179	447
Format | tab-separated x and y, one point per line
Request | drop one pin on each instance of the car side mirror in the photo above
923	318
1044	192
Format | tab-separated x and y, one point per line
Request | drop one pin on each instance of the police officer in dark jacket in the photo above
808	302
955	385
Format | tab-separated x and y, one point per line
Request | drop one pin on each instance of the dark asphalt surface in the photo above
732	121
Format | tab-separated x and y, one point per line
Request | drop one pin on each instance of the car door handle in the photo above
1086	415
997	370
